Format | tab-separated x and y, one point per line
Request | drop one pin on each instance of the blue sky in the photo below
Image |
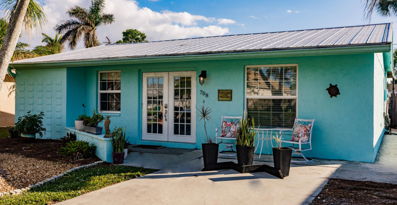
273	15
173	19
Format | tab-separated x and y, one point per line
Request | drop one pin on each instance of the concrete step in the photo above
157	149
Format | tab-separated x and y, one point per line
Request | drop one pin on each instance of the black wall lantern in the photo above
333	90
202	77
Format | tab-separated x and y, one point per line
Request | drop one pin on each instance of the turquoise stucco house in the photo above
152	89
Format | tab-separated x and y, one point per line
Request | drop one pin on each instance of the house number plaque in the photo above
225	95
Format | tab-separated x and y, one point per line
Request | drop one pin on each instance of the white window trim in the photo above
271	97
107	91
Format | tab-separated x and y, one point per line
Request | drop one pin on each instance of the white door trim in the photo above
151	136
168	98
182	138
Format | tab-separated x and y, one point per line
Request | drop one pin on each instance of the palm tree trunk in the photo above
11	39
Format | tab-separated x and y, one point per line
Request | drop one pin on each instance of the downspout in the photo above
9	71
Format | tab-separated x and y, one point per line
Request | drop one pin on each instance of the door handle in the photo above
165	112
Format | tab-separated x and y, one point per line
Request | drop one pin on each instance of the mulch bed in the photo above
25	162
339	191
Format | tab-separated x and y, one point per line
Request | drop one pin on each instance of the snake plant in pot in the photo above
281	156
245	142
118	136
209	148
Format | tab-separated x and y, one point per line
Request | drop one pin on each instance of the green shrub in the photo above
31	124
78	150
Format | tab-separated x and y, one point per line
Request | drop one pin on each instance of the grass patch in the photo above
76	183
3	132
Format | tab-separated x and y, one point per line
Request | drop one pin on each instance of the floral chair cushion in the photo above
229	128
301	131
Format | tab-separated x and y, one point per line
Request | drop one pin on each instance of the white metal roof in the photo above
372	34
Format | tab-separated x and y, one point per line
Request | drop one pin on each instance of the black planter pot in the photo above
282	159
118	157
210	155
245	155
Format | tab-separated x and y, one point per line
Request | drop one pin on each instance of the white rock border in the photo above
19	191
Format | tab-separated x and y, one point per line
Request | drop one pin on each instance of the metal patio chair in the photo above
227	134
300	139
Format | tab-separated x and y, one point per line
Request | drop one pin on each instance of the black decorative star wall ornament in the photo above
333	90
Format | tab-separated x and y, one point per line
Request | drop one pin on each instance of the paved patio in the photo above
180	180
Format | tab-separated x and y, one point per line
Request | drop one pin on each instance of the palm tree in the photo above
84	22
383	7
55	44
21	13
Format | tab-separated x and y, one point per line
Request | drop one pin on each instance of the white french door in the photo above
169	102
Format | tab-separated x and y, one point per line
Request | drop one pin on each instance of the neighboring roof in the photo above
8	79
348	36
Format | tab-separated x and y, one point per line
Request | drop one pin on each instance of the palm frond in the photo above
35	15
80	13
68	25
107	18
383	7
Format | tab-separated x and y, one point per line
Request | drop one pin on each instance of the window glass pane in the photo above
271	81
272	112
109	84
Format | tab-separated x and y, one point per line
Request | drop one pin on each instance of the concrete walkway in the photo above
384	170
180	181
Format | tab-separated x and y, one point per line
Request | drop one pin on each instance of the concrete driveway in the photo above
185	184
180	180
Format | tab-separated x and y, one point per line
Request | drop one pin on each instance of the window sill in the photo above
112	114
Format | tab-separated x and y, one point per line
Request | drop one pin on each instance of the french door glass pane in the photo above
154	107
182	105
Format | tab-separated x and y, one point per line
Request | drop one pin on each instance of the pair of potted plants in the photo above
30	125
245	142
89	124
119	145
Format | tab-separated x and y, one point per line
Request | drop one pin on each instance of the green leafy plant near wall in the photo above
94	120
78	150
119	142
246	133
31	124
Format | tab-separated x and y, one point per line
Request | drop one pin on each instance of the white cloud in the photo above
290	11
253	17
226	21
128	14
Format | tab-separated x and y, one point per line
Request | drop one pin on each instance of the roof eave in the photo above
341	50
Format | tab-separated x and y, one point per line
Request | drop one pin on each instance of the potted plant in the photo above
79	122
281	156
210	149
118	136
91	124
245	142
30	124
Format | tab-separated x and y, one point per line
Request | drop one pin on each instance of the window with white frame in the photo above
271	95
109	91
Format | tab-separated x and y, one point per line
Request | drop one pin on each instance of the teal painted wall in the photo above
76	95
43	90
343	127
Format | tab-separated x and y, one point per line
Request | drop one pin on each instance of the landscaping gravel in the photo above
339	191
24	162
